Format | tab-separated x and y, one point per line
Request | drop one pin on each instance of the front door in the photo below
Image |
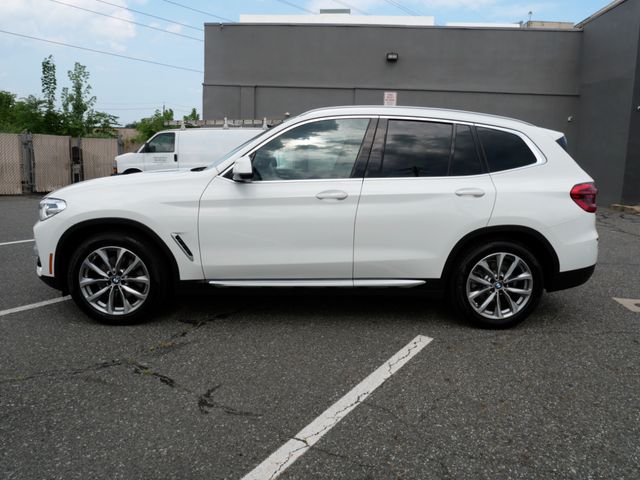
160	152
294	220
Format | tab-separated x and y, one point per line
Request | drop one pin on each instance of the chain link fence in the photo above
52	159
97	156
43	163
10	164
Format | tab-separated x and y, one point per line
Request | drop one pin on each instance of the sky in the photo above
131	89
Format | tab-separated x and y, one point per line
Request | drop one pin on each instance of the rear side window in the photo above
504	150
416	149
465	160
562	141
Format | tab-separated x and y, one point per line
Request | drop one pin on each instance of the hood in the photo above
134	184
124	156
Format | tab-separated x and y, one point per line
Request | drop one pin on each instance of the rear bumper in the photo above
570	279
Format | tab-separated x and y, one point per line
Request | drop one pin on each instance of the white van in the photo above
183	149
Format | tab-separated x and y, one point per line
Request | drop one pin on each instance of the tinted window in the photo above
323	149
504	150
162	143
465	160
562	141
416	149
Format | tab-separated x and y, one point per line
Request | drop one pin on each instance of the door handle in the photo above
470	192
175	157
332	195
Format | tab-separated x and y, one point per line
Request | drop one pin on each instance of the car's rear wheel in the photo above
116	278
497	285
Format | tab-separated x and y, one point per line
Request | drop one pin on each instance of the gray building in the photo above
583	81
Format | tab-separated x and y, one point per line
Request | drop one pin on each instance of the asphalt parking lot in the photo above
218	383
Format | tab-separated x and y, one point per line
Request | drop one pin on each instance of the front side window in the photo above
416	149
504	150
316	150
162	143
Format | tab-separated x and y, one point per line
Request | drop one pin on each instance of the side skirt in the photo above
387	282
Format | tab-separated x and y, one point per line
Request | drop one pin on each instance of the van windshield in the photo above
230	154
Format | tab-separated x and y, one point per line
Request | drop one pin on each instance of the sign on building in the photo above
390	99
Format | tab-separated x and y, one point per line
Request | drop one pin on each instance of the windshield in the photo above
230	154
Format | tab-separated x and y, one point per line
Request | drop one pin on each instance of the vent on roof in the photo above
343	11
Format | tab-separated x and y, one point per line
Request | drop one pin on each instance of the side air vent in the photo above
182	245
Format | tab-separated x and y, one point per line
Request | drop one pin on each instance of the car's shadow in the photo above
314	305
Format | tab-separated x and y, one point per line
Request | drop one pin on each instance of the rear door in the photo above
426	186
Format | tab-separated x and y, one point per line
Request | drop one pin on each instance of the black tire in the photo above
130	171
156	290
469	261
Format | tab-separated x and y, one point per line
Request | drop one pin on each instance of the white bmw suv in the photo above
489	210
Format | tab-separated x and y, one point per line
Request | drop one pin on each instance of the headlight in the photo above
50	207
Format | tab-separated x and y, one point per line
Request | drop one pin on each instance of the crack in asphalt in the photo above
286	460
604	218
336	417
412	347
332	422
141	369
64	371
206	403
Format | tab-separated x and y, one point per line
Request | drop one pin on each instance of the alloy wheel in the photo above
114	280
499	285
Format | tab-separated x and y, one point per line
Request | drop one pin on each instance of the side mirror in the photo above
242	170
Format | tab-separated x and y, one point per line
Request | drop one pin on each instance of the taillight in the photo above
584	194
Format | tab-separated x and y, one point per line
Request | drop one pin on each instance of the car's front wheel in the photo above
497	285
116	278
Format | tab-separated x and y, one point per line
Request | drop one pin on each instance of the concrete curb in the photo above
626	208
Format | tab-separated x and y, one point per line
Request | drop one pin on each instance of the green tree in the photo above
52	118
77	102
193	116
49	83
7	105
147	127
24	115
77	118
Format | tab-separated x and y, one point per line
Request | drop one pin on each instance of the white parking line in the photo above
31	306
282	458
17	241
630	303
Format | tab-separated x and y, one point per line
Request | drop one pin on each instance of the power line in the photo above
100	51
291	4
152	16
406	10
127	21
199	11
